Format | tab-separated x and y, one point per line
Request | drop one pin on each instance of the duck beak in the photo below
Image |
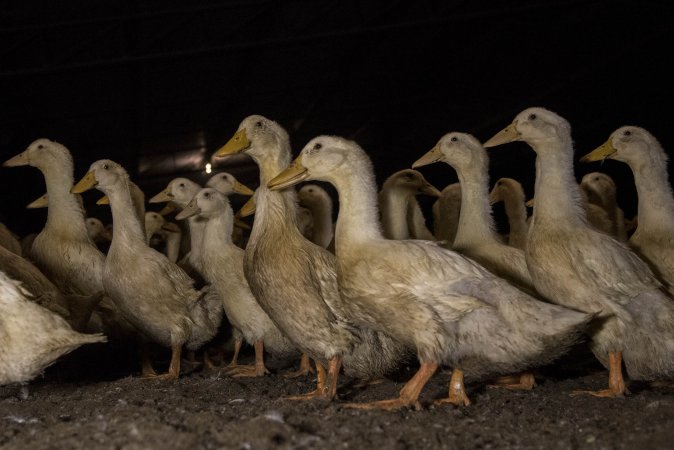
237	143
107	235
241	224
86	183
167	209
242	189
163	196
247	209
506	135
432	156
103	200
19	160
292	175
493	197
529	203
192	209
41	202
171	227
430	190
604	151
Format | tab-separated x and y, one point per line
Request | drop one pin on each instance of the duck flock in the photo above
363	295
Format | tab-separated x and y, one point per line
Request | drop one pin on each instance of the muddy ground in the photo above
94	399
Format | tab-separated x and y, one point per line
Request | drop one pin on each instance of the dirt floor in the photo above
94	399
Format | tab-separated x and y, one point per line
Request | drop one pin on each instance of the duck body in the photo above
153	294
293	279
31	337
476	236
510	192
447	307
577	266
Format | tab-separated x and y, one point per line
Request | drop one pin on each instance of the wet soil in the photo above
92	400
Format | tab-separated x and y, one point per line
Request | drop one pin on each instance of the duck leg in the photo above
174	368
616	383
147	371
409	394
256	370
525	381
235	359
208	362
457	390
321	386
305	368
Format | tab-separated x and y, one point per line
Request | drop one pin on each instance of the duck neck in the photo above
516	211
358	217
322	213
218	231
557	198
64	212
197	227
476	225
394	205
655	210
125	224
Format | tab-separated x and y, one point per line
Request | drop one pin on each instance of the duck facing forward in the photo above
447	307
153	293
577	266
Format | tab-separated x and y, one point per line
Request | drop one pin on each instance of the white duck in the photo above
223	269
97	231
154	294
227	184
447	307
168	233
31	337
653	238
576	266
319	203
294	280
446	210
600	190
401	214
511	193
476	236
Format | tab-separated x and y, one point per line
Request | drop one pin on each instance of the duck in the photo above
600	190
447	307
303	299
446	210
32	337
319	204
178	193
9	240
401	214
168	233
476	235
227	184
96	231
511	193
577	266
223	269
153	294
653	237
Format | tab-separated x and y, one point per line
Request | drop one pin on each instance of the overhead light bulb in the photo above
208	167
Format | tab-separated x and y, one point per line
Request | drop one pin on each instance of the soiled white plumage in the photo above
476	236
153	293
447	307
600	190
293	279
223	269
446	210
510	192
31	337
9	240
401	214
319	203
653	237
63	249
576	266
227	184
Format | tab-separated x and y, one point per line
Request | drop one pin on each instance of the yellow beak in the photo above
432	156
41	202
237	143
163	196
295	173
103	200
19	160
242	189
167	209
506	135
247	209
86	183
605	150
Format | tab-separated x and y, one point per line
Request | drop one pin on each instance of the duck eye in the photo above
499	183
207	195
454	139
182	185
627	133
40	146
318	146
258	124
532	116
106	167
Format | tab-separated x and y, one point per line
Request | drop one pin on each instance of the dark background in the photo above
159	85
